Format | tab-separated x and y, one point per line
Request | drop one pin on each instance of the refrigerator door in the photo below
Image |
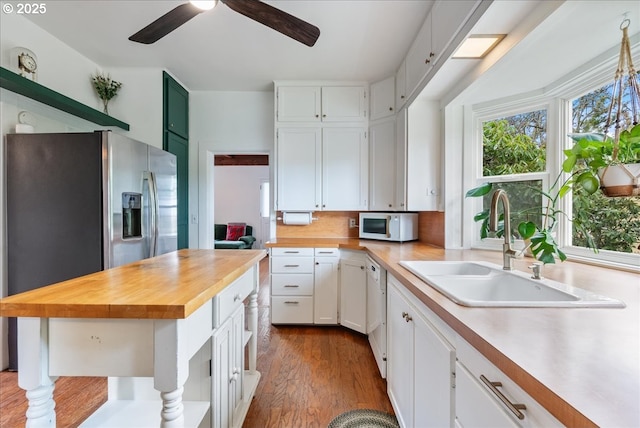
127	202
163	166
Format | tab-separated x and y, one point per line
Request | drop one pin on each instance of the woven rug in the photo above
364	418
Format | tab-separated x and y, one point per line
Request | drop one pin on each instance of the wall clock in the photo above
24	62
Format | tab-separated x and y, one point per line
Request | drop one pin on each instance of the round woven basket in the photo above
364	418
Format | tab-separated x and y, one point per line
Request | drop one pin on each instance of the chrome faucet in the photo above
508	253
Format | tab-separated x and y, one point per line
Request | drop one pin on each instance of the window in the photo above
613	223
514	159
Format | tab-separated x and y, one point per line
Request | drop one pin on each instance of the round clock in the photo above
25	62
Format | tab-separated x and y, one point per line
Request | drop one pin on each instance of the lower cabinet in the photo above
325	286
353	290
420	364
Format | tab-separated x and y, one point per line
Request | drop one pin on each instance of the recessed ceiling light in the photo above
477	46
204	5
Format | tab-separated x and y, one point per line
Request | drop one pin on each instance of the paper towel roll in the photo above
300	219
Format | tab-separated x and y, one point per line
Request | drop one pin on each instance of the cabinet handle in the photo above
291	286
291	265
390	108
292	252
291	302
515	408
317	115
362	267
402	97
324	115
427	61
431	55
406	317
325	252
237	297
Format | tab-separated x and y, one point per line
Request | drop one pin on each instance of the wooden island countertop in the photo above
581	364
170	286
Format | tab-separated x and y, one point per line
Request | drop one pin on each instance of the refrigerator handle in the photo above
150	178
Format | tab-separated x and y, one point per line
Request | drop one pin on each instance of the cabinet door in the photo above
222	369
325	291
298	104
400	356
401	85
344	103
344	169
419	57
434	371
382	98
382	173
353	295
400	201
298	158
236	392
447	19
180	147
176	107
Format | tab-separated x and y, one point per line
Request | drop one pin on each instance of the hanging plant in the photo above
106	88
614	162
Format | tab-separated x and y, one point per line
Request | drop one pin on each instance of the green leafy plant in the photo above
106	88
542	244
593	151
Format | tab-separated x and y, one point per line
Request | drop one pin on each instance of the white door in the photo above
325	292
353	295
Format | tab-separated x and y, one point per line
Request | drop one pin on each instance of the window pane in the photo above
525	199
613	223
515	144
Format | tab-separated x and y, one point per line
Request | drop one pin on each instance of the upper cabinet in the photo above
401	85
383	98
338	103
440	27
176	107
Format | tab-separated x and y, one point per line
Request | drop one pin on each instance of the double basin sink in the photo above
488	285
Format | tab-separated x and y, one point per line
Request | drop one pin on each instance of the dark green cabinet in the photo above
176	141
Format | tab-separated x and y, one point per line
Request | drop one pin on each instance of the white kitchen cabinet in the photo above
419	60
420	364
299	168
322	169
495	401
382	166
228	371
400	201
383	98
345	182
325	286
401	85
311	103
353	291
292	279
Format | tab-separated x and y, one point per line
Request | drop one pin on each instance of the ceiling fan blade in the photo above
166	24
277	19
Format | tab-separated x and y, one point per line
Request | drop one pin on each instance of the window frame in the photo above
557	99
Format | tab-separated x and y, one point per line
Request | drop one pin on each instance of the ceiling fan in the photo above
261	12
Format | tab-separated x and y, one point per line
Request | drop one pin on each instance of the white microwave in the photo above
397	227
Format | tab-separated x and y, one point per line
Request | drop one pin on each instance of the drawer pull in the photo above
292	266
291	302
292	252
325	252
515	408
291	286
237	297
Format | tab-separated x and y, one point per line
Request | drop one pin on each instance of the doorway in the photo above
241	192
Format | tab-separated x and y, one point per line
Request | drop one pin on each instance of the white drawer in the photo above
292	265
295	284
327	252
276	252
228	300
292	310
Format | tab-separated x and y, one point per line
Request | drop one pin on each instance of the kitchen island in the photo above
147	325
582	365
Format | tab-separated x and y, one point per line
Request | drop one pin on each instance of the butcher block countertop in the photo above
581	364
170	286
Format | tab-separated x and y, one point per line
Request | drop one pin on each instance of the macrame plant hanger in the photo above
614	115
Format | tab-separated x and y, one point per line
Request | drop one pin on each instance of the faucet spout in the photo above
508	253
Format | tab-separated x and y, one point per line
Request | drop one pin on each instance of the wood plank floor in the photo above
309	376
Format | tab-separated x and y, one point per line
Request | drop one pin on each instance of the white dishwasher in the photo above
377	313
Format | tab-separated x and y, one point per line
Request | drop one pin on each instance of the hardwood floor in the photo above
309	376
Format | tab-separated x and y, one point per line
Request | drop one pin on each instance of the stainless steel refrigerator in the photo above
78	203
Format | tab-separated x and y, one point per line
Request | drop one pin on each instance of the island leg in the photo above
33	373
171	369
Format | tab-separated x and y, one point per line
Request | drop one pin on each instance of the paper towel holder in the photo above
298	218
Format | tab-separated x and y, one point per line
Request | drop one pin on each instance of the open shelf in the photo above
30	89
142	413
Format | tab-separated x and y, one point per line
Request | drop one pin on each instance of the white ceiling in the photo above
359	40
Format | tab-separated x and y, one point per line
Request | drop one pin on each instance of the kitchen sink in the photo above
488	285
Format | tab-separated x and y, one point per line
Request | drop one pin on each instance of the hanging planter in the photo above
614	162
